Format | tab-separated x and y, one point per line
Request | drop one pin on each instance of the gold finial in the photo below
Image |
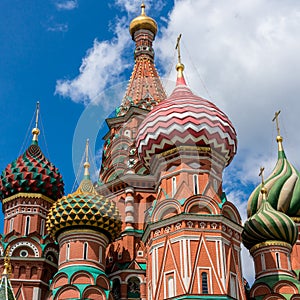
179	66
35	130
279	137
143	9
86	164
263	188
7	265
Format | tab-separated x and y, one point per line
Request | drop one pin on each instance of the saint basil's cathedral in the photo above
157	225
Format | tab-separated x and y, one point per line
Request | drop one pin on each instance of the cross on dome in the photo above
35	130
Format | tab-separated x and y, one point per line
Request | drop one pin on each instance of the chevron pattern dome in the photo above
31	172
269	225
186	119
84	209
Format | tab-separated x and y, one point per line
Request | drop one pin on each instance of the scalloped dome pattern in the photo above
284	189
31	172
186	119
85	208
269	225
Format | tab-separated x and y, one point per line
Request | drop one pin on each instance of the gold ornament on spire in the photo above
142	22
263	188
7	266
179	66
35	130
86	164
279	137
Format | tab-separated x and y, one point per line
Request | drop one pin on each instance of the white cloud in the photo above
66	4
58	27
246	52
101	67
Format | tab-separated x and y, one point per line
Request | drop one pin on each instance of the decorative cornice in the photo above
28	195
270	243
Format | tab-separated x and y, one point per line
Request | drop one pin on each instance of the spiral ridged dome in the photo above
143	22
186	119
31	172
84	209
269	225
283	186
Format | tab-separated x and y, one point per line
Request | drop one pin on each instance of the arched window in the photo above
196	184
42	230
27	226
204	284
85	250
68	252
173	186
133	288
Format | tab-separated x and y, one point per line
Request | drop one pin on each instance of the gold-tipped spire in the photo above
86	165
179	66
279	137
263	190
143	9
142	22
7	265
35	130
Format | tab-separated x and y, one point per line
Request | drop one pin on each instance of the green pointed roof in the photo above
283	186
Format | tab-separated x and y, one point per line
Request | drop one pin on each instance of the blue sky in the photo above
71	55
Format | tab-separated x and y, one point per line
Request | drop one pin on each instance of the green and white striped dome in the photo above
283	186
267	224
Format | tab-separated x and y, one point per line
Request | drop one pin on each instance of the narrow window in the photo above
263	262
277	260
68	252
233	286
11	224
173	186
204	283
85	249
196	187
100	254
27	226
42	230
171	292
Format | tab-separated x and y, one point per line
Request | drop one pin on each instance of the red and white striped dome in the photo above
186	119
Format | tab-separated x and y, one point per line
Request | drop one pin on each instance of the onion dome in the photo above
32	172
84	209
283	186
186	119
142	22
268	224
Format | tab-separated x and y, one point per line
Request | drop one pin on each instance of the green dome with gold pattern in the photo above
269	225
85	209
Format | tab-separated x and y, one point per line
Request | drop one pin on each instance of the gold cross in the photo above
178	48
261	173
277	122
